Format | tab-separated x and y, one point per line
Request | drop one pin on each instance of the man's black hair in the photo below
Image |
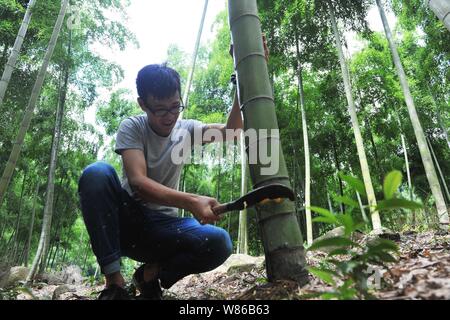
159	81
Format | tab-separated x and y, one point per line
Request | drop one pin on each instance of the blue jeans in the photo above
120	226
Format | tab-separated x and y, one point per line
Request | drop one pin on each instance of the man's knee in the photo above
220	246
96	175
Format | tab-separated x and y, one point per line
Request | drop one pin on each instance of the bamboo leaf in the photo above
382	245
330	295
385	256
325	213
324	220
332	242
391	184
338	252
323	274
396	203
346	200
346	220
354	182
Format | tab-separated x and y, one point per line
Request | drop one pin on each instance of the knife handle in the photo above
221	209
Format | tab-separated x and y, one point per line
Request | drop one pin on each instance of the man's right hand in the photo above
201	208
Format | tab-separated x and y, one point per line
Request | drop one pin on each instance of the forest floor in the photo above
422	271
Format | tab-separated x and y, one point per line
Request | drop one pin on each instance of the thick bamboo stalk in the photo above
442	10
281	236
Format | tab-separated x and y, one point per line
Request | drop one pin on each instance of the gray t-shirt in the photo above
162	154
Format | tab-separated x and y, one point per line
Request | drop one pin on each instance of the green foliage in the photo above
424	47
80	142
348	264
355	183
119	107
391	184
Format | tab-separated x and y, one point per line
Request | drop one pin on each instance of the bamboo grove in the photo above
348	100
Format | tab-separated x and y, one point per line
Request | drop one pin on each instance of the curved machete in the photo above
271	191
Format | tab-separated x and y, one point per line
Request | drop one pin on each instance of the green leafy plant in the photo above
349	266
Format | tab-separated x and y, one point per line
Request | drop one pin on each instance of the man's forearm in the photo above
235	117
149	190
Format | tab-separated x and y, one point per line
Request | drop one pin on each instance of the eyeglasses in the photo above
164	112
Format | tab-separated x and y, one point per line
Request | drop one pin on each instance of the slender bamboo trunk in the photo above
187	89
19	215
405	153
48	257
11	64
63	259
418	131
59	215
183	184
376	222
80	247
361	205
229	224
43	246
50	204
338	168
86	253
439	117
297	177
408	174
242	246
30	232
52	260
52	247
219	178
330	205
60	184
5	51
444	184
309	229
9	244
97	269
14	156
232	183
443	128
294	173
281	236
375	151
20	260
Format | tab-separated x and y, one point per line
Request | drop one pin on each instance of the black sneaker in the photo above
149	290
114	292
